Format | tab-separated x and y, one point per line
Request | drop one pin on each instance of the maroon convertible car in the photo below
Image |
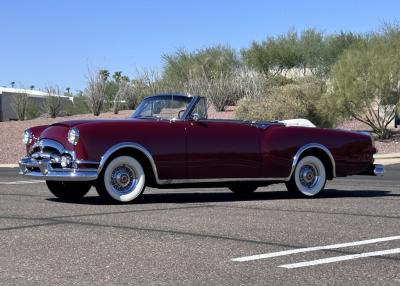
169	142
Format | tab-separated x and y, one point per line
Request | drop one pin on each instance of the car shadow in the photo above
210	197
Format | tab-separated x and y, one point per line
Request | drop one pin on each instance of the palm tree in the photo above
117	76
104	74
32	86
68	89
12	84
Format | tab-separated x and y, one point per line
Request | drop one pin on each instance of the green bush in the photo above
295	100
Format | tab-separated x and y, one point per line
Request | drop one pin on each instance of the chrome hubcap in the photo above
308	176
123	179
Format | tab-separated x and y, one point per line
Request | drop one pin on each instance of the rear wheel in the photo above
243	189
68	190
122	180
308	178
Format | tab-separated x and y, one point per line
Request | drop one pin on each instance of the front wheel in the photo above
308	178
122	180
68	190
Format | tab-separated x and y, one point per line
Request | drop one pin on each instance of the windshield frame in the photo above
191	103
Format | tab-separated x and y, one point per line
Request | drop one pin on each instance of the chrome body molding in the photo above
129	145
218	180
39	165
314	146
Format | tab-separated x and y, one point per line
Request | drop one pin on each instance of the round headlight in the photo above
27	137
73	136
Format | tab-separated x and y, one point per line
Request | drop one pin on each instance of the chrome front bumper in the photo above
45	162
42	170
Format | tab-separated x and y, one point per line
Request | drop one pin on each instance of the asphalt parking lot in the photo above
348	236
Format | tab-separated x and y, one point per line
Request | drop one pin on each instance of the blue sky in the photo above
59	41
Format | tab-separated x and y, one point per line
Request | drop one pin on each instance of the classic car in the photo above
169	142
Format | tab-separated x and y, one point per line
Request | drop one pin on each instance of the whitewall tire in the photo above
122	180
308	178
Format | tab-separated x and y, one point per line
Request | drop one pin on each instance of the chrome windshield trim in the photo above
190	107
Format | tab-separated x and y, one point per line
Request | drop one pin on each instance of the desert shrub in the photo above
53	102
96	92
19	104
33	110
296	100
281	103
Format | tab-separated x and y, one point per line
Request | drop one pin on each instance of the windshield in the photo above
162	107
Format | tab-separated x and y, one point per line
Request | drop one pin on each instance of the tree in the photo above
124	89
68	89
104	75
53	101
334	46
12	84
275	55
20	104
117	76
96	91
366	83
210	62
32	86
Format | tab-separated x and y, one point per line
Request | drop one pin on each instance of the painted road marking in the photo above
341	258
21	182
316	248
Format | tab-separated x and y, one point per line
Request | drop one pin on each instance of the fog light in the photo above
65	161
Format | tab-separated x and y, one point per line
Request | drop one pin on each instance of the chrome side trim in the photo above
309	146
159	181
136	146
86	162
218	180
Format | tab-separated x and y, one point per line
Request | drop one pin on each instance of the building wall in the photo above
7	112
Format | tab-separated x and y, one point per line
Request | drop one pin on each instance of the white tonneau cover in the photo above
298	122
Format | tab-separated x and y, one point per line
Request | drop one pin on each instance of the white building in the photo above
9	95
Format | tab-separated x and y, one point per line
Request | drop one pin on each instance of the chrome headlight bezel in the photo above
73	136
27	137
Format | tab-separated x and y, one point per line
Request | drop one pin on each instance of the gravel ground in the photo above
11	147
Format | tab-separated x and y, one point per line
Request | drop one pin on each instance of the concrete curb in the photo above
8	165
387	156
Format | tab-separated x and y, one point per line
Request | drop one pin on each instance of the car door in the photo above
222	149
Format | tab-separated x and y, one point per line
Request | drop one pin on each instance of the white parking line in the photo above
341	258
316	248
21	182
